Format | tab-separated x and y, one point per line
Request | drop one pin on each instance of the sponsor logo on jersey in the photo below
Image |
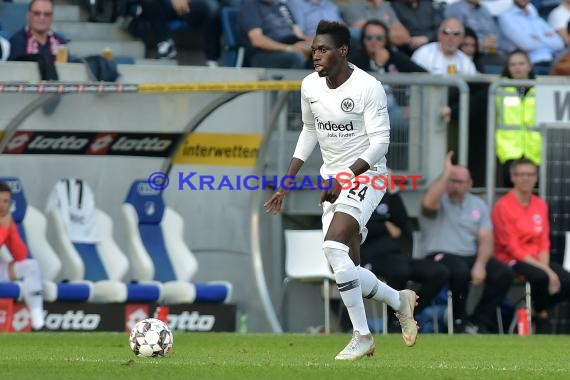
332	127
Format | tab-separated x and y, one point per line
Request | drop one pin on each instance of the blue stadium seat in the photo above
31	224
235	54
100	260
157	250
13	16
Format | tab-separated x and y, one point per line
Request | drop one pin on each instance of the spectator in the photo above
444	56
308	13
470	46
357	12
456	232
204	14
516	133
522	25
522	241
21	268
4	49
477	17
421	20
559	19
270	36
562	64
384	253
375	53
36	41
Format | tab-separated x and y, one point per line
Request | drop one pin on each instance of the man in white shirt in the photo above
444	56
344	110
523	26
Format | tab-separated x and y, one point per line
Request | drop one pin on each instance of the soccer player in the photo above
22	268
344	110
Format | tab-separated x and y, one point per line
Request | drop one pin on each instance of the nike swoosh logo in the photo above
314	101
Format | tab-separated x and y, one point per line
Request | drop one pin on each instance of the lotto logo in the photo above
101	143
135	314
21	320
18	142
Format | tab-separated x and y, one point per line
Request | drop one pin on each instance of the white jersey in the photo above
344	118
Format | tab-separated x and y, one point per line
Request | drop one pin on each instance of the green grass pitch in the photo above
289	356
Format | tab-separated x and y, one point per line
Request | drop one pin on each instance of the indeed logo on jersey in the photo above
332	127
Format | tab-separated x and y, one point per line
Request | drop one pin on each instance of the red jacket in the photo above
520	230
11	237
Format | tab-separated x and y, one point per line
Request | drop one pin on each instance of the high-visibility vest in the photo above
516	133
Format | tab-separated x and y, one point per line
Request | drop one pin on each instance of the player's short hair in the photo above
337	30
521	161
5	188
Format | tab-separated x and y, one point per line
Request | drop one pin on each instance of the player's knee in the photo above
337	255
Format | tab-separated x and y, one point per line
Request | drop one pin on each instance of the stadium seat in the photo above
306	262
13	16
157	250
31	224
235	53
99	260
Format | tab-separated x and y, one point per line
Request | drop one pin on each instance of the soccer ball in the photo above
151	338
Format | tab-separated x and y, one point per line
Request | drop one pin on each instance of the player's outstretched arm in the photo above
275	203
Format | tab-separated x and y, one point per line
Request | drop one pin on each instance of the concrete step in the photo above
134	49
79	31
66	13
156	62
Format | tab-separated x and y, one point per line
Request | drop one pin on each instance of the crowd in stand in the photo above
277	33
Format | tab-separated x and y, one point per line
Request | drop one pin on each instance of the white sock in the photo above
29	272
348	282
377	290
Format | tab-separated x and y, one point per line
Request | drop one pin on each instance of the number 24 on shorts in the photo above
352	193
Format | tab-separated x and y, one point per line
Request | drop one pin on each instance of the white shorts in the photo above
359	202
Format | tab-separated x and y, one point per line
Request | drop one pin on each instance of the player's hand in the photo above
478	274
330	194
274	204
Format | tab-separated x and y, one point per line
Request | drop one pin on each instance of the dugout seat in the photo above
157	250
31	225
99	260
306	262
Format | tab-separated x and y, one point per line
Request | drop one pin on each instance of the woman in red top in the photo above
522	239
21	268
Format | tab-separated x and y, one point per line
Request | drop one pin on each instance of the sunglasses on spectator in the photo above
451	32
377	37
45	14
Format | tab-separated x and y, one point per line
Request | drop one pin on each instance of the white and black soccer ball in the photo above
151	338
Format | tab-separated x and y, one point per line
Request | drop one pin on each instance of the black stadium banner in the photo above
92	143
84	316
121	317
